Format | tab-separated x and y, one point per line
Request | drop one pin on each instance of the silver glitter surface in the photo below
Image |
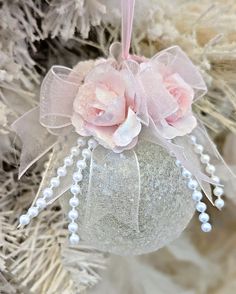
125	225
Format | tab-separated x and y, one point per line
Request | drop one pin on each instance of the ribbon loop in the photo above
176	59
57	95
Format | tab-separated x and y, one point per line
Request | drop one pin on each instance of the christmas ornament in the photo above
119	218
127	151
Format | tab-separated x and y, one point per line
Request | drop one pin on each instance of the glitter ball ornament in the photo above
116	222
128	154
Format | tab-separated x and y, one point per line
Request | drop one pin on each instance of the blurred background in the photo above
35	34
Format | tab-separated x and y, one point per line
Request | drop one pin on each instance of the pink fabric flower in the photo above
182	121
171	83
115	98
105	107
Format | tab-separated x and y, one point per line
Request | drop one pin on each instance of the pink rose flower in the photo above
181	121
171	83
105	107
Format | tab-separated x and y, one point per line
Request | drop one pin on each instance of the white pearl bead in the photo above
73	227
86	153
68	161
201	206
61	171
75	189
204	217
205	158
92	143
218	191
55	182
198	148
210	169
24	220
215	179
33	211
193	139
192	184
81	164
77	176
219	203
74	202
41	203
74	239
81	141
206	227
75	151
197	195
186	173
47	193
73	214
178	163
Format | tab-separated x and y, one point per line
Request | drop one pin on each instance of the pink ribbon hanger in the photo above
127	11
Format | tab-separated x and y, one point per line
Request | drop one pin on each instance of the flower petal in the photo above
112	108
130	128
186	124
181	127
107	75
175	80
104	135
131	145
79	124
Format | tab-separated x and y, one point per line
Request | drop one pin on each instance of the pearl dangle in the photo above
47	193
75	190
197	196
218	191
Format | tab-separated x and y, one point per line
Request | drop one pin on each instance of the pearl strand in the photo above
197	197
210	169
75	189
47	193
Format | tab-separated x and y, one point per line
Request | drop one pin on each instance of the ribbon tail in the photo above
36	140
206	188
114	188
